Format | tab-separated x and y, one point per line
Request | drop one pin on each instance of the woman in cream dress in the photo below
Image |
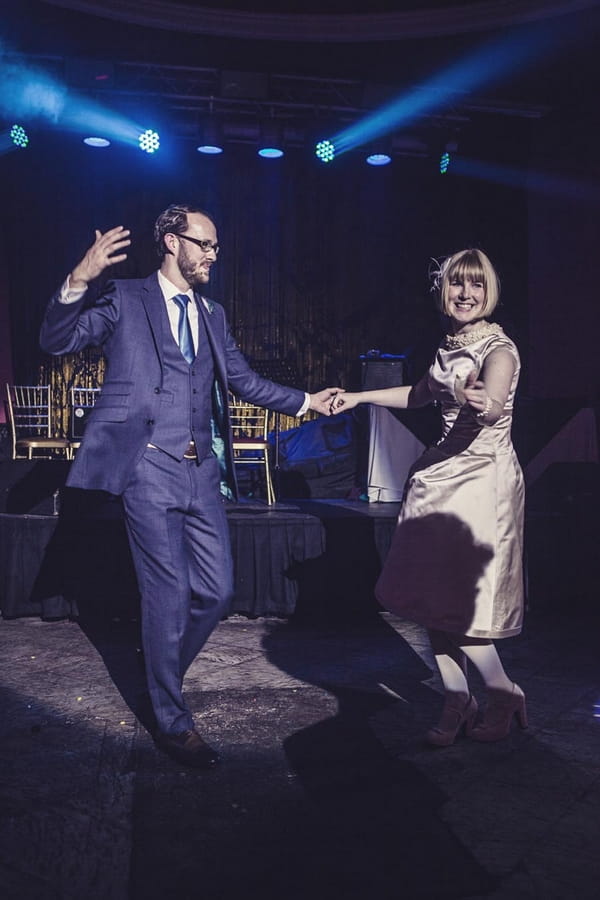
455	563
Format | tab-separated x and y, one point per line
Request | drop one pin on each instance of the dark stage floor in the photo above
326	789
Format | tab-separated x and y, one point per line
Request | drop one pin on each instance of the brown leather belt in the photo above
190	450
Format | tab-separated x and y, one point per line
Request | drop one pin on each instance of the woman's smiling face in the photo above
465	301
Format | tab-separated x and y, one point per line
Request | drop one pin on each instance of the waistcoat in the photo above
186	396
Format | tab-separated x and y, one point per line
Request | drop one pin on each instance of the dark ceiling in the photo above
442	31
322	7
180	66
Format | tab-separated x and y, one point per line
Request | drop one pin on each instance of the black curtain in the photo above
319	264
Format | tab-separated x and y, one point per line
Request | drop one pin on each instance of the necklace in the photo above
455	341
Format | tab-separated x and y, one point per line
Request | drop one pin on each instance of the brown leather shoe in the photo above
502	707
458	714
188	748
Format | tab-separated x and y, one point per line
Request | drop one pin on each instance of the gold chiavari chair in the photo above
250	428
30	423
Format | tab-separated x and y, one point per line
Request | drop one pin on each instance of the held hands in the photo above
343	402
323	401
100	255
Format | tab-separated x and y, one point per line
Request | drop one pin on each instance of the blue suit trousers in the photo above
180	545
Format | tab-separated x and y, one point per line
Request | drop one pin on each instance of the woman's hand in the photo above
344	401
322	402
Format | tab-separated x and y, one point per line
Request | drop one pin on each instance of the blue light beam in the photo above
30	94
540	182
490	63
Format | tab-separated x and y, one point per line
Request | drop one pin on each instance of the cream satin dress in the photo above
455	563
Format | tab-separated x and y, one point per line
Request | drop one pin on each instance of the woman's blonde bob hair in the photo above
474	265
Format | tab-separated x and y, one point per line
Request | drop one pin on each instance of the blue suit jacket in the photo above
127	322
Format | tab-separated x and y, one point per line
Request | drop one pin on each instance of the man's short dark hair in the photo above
173	220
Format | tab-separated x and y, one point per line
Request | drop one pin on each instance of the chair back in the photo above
30	422
29	412
250	429
249	423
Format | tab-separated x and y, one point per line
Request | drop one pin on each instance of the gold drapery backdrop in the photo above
86	369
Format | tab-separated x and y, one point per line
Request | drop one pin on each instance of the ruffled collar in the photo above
456	341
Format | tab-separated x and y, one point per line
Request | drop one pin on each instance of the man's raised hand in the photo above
100	255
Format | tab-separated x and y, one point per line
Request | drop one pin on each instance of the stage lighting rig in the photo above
149	141
270	140
378	159
449	149
444	162
96	141
19	136
211	138
13	137
325	151
379	151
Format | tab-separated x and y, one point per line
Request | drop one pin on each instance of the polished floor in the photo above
326	789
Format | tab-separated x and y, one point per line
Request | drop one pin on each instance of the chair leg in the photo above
270	491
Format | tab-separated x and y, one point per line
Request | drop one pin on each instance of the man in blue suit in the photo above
159	436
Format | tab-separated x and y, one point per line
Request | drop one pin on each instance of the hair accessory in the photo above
435	273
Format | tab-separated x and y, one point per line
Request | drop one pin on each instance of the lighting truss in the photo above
305	105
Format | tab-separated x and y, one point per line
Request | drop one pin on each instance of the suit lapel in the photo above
154	305
220	417
206	311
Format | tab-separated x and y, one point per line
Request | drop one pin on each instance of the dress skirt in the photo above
455	561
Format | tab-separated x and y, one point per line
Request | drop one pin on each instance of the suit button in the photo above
194	409
157	390
150	422
193	372
194	391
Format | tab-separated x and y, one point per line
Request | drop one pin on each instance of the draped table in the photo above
50	565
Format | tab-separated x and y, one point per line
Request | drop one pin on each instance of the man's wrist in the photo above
305	406
76	282
70	292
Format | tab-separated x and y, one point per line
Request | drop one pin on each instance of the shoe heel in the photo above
498	716
457	718
469	723
521	714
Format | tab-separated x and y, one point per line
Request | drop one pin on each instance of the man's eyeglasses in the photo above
205	246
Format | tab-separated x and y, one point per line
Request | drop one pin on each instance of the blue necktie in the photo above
184	331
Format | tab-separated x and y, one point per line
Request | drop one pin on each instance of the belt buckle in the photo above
190	453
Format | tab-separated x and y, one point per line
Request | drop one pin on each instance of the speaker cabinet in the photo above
382	372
